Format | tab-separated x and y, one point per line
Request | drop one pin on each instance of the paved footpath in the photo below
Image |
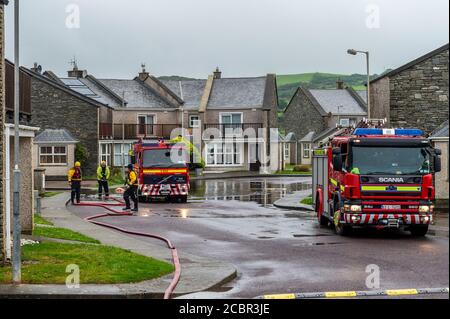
198	273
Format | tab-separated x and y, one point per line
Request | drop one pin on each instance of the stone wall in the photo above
301	117
380	99
53	108
2	117
419	94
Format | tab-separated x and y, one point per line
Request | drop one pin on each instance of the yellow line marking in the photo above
399	292
339	294
284	296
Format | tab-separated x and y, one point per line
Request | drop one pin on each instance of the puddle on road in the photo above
262	191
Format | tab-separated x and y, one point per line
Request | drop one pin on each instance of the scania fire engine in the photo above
162	170
376	177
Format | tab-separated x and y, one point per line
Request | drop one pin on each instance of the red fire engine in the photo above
376	177
162	170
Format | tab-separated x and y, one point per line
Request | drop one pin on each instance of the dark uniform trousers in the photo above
131	192
75	191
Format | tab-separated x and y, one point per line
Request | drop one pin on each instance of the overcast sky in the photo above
243	37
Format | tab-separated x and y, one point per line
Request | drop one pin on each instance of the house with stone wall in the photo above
313	113
415	94
150	108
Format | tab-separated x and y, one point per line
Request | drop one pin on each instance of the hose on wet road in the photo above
112	212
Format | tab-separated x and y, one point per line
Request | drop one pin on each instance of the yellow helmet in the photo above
103	163
77	164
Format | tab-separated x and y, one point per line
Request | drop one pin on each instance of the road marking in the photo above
400	292
340	294
351	294
283	296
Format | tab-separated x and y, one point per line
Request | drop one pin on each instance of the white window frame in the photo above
306	150
146	115
105	156
191	121
239	150
221	114
236	132
347	124
53	154
122	154
287	151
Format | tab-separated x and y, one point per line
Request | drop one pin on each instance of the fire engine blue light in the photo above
378	131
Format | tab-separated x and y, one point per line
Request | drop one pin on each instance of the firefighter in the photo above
75	178
103	174
131	189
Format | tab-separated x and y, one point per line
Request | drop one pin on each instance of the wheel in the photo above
340	229
183	199
419	231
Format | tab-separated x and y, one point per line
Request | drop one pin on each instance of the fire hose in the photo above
112	212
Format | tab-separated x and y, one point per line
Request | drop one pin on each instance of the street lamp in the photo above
355	52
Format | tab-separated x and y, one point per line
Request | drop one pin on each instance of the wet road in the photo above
281	251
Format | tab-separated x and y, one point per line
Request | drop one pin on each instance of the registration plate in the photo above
391	207
164	189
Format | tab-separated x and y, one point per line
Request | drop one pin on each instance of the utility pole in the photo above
16	257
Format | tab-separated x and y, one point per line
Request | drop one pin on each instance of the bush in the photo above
116	171
302	168
81	154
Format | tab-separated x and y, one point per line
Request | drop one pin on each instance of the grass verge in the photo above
50	194
46	263
307	201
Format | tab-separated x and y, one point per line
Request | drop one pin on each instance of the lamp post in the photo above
16	255
355	52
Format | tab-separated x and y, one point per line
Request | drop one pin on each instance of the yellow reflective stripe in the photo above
373	188
399	292
409	188
340	294
333	181
342	188
284	296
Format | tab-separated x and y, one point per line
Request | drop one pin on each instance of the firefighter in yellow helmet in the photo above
75	177
131	189
103	174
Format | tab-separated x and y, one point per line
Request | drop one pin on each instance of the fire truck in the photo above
375	177
162	170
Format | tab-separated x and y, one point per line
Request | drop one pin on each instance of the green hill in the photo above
288	84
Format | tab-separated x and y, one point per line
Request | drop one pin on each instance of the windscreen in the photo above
390	160
163	158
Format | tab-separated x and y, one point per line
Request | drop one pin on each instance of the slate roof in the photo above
290	137
363	95
337	102
308	137
55	136
441	131
237	93
412	63
190	92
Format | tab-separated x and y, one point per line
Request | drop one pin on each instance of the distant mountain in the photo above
288	84
175	78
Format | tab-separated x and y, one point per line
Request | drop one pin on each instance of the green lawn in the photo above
307	201
38	220
62	233
46	263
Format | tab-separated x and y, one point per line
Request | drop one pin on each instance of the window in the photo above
306	150
287	151
344	122
231	124
224	154
194	121
145	124
105	153
53	155
121	151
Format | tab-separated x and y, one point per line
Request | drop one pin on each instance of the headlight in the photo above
424	209
356	208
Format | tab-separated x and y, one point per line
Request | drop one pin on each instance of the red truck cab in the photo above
381	178
162	171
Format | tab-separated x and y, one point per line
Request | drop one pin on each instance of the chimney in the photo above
217	73
143	75
36	68
75	72
340	84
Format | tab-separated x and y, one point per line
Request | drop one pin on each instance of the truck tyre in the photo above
183	199
419	231
340	229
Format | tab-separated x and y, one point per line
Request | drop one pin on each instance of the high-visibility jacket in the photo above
75	174
132	179
103	175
